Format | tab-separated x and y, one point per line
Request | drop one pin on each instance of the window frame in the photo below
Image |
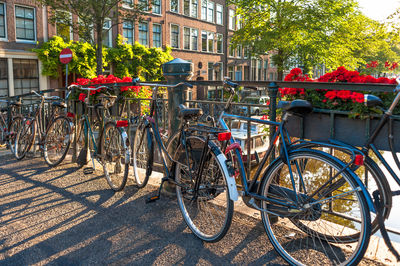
178	35
109	32
212	13
34	24
191	39
152	7
222	43
177	6
147	33
192	8
5	38
222	14
232	19
131	29
71	31
157	24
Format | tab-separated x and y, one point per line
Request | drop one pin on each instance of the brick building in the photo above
197	30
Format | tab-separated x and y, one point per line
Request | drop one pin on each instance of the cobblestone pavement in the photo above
61	216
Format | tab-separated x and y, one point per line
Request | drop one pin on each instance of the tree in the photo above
92	14
291	28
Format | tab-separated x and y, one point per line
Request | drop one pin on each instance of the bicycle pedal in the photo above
88	170
152	199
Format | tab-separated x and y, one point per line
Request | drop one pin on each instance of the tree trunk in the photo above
99	49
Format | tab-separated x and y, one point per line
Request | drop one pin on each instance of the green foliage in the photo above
128	60
137	60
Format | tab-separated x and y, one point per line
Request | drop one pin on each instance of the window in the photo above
203	9
194	36
174	36
220	16
186	7
156	35
127	2
239	51
186	38
239	22
128	31
220	43
253	69
246	73
190	39
259	68
63	25
231	51
210	11
207	41
2	21
232	23
265	69
246	52
144	4
211	42
210	70
193	11
3	77
26	75
107	33
156	6
143	33
25	23
230	72
174	6
204	41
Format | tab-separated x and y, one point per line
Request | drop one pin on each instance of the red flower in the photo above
264	117
82	97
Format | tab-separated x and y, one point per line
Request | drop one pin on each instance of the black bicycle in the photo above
54	137
10	123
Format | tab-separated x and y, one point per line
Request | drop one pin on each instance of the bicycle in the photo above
297	192
383	194
10	123
196	167
111	148
54	139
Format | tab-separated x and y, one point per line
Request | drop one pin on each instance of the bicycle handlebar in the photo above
45	97
136	82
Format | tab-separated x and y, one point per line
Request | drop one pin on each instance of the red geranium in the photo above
82	97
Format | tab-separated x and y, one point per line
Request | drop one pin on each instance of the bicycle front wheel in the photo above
143	154
57	141
25	138
324	211
207	211
114	156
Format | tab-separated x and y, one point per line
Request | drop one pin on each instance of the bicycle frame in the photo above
286	142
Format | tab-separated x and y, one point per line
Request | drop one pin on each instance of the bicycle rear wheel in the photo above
15	126
143	154
25	138
57	141
209	213
114	160
321	221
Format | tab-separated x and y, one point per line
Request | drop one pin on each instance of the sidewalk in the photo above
63	217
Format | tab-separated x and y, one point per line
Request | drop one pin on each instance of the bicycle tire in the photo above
114	161
312	243
15	126
143	154
58	135
213	193
25	138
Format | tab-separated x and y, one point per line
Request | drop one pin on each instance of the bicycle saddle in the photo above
189	113
59	104
297	107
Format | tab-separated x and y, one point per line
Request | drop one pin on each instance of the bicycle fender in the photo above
233	193
126	146
365	192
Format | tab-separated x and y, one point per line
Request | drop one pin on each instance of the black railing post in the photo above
273	93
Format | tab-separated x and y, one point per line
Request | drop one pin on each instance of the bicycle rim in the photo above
315	234
143	153
15	126
113	157
25	139
57	141
209	214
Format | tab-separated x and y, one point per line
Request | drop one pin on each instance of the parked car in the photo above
254	110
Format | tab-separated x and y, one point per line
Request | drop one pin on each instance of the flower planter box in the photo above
322	127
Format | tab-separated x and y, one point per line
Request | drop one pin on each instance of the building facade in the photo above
197	30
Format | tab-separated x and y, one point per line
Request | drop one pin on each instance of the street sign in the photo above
66	56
